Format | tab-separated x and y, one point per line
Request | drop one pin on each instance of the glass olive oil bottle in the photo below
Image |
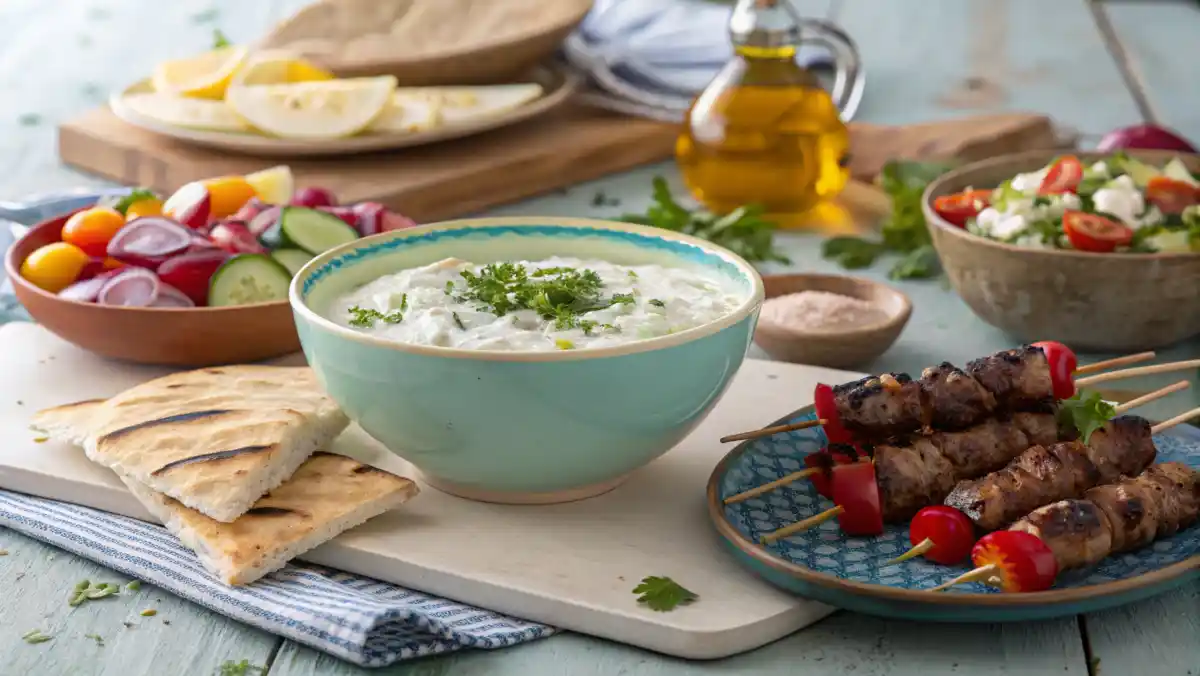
765	131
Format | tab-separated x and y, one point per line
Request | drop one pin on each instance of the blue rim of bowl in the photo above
716	512
955	174
319	265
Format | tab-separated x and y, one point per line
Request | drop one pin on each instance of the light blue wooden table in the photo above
1093	66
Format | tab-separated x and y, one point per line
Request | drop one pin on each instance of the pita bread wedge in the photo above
214	439
329	494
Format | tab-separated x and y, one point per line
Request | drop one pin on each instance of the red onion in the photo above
264	220
313	198
1145	136
148	241
132	287
88	290
235	238
190	273
251	209
169	296
370	217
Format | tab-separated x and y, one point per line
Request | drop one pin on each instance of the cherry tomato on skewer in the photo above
1063	363
1063	176
1014	561
942	534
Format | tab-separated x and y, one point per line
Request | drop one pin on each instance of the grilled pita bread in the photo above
329	494
214	439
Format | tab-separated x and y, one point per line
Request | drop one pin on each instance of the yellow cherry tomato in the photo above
141	208
91	229
228	194
55	266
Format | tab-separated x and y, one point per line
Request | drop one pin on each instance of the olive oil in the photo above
765	131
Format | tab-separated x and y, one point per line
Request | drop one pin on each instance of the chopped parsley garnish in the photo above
36	636
366	317
557	294
663	593
219	39
97	638
458	321
86	591
656	302
587	326
1084	414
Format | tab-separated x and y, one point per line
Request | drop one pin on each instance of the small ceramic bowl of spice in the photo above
829	320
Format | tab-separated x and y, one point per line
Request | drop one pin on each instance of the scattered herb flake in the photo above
656	302
366	317
86	591
30	120
219	39
1084	414
743	231
134	585
149	612
587	326
41	439
663	594
633	275
458	321
243	668
36	636
564	344
97	638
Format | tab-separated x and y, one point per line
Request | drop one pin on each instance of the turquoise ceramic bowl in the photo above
523	427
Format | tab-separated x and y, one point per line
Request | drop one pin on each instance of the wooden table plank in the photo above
843	644
1160	47
182	638
937	59
1156	636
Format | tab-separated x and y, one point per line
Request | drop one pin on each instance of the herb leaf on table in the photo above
743	231
902	232
663	594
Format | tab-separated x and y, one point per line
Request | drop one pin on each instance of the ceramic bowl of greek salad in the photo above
1098	250
193	278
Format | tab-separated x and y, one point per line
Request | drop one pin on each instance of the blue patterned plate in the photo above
848	572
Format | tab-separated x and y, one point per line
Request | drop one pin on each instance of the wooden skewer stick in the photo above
767	488
811	522
768	431
1151	396
1139	371
983	573
1177	420
1113	363
924	546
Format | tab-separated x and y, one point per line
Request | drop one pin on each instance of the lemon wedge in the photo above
315	110
464	104
180	111
203	76
274	185
277	66
407	117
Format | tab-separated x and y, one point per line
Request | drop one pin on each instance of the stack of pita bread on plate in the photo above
230	460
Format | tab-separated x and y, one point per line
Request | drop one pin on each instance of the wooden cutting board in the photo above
571	565
465	176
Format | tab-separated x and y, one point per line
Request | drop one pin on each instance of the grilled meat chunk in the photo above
880	406
1048	473
1016	378
953	399
1077	531
1158	503
909	475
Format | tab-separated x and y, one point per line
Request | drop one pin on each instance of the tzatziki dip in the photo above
533	306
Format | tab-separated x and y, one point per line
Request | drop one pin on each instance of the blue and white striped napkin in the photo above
357	619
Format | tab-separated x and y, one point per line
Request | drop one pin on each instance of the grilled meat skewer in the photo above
1118	517
945	397
1045	474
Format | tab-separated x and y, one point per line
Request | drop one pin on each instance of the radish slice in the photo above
264	220
169	296
235	238
133	287
394	221
88	290
250	209
370	217
149	237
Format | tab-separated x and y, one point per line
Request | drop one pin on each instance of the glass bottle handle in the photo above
849	80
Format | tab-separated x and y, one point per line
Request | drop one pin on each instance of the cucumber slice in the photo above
247	279
313	231
1177	170
292	259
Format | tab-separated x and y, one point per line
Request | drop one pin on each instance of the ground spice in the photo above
820	311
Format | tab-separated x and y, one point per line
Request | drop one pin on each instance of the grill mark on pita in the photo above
274	511
209	457
85	402
169	420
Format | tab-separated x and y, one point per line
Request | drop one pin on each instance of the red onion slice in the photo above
169	296
264	220
370	217
1145	136
88	290
149	237
132	287
235	238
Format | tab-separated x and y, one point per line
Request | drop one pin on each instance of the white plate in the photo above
557	84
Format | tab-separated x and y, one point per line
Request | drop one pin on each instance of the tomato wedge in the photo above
1063	363
853	488
1064	176
962	206
1095	233
1171	196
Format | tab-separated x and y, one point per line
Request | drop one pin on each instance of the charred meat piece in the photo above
1077	531
953	399
1016	378
1045	473
880	406
1158	503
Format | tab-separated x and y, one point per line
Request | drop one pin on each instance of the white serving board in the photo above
571	566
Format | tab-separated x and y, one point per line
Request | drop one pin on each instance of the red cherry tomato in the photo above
1063	176
1095	233
825	459
1063	363
946	532
853	488
825	404
191	272
958	208
1171	196
1022	562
